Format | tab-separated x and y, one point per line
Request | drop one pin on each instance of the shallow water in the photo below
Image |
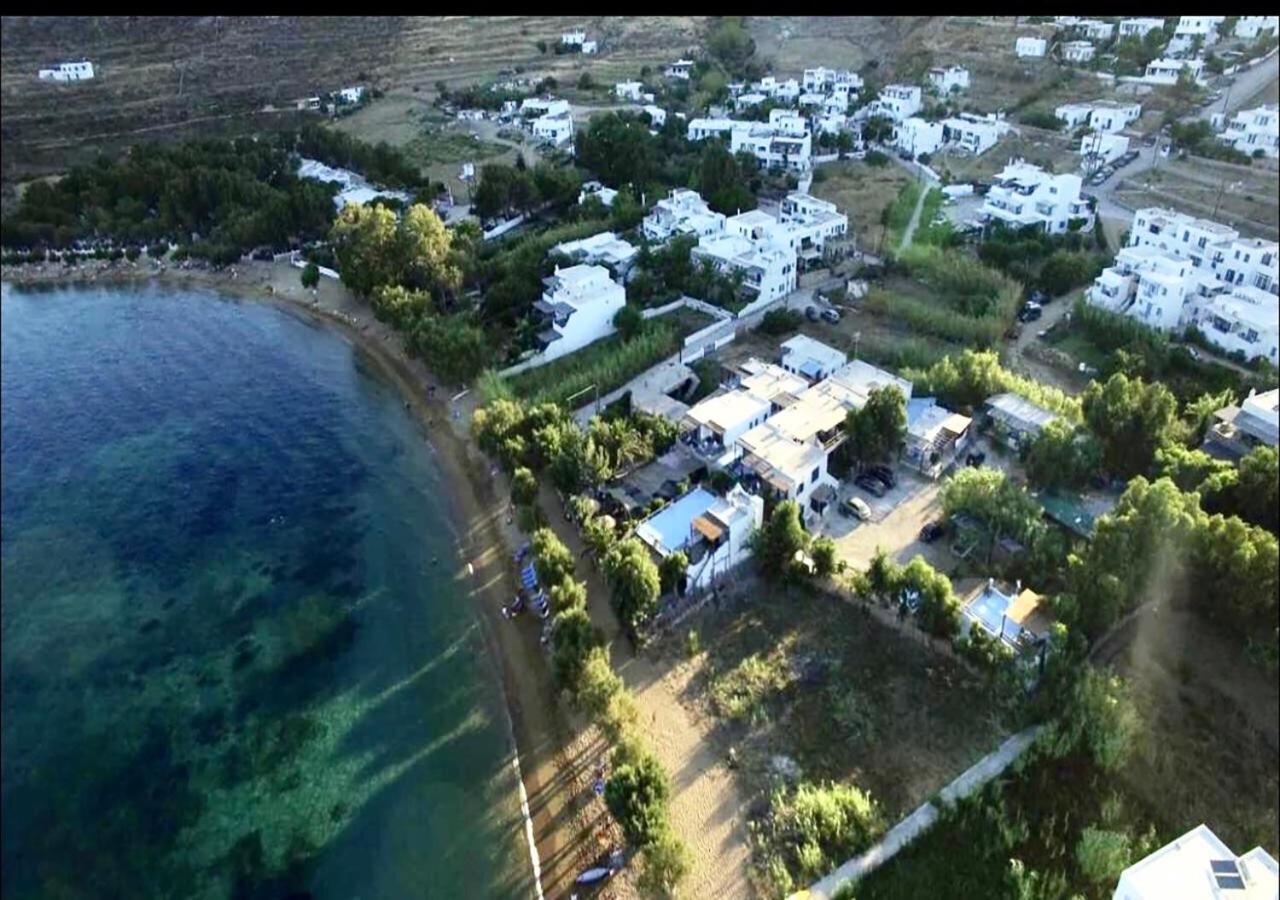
230	666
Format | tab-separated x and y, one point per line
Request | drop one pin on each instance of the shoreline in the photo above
540	729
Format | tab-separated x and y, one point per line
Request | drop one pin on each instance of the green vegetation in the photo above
898	215
966	380
1052	263
743	693
604	365
1131	419
1198	138
669	272
780	542
504	189
1062	456
878	430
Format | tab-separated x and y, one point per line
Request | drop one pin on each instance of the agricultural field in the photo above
864	192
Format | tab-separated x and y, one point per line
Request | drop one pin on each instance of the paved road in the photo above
1247	84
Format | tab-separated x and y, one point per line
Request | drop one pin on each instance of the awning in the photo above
708	529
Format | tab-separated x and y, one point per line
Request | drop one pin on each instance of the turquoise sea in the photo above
237	661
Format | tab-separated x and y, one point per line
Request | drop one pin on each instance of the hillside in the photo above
164	77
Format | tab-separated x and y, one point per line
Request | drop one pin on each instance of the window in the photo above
814	476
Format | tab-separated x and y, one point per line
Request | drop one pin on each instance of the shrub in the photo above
310	275
636	794
1102	855
741	694
817	826
779	321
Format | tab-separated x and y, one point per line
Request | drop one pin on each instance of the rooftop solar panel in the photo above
1224	866
1230	882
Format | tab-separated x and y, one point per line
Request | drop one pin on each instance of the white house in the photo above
1029	47
748	100
606	195
68	71
897	101
681	68
1179	271
773	149
578	307
1017	618
702	128
578	39
1166	71
605	248
768	268
824	81
1138	27
935	435
974	134
684	212
916	135
1239	429
1100	115
628	90
809	358
557	129
1191	27
1199	866
944	81
811	222
1255	129
657	115
711	531
716	423
1077	51
351	94
535	107
1095	29
1250	27
787	90
1245	321
788	122
1025	194
1099	148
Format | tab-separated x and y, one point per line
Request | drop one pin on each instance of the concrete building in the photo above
555	130
788	122
951	78
536	107
897	101
351	94
657	115
1025	194
1029	47
1095	29
1013	420
1099	148
767	268
1199	866
1230	258
578	306
1239	429
1251	27
1019	617
811	359
628	90
915	135
1167	71
68	71
1251	130
810	222
713	425
606	195
604	249
1100	115
1138	27
681	69
684	212
772	148
1077	51
702	128
825	81
1189	28
935	435
1245	321
711	531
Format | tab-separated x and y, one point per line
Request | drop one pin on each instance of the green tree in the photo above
568	594
1257	492
573	637
672	570
1099	720
1003	508
824	556
634	580
1131	419
730	44
454	347
310	275
721	181
524	487
664	865
779	541
552	560
636	794
877	431
365	244
1062	456
629	321
426	248
586	82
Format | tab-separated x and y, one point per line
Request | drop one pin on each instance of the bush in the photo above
310	275
814	828
1102	855
876	159
779	321
636	794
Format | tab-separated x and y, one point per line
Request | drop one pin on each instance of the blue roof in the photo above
668	529
916	407
811	369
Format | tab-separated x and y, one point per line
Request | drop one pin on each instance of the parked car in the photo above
1039	297
831	315
1098	178
932	531
870	485
976	458
856	508
885	474
811	313
1030	312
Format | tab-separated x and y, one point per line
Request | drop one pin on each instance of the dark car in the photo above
976	459
1039	297
811	313
870	485
1030	312
885	474
932	531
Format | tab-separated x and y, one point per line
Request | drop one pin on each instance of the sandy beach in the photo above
558	753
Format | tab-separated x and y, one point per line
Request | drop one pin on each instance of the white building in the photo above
1245	321
716	423
1191	27
628	90
1239	429
1250	27
557	129
1099	148
824	81
788	122
578	307
773	149
786	90
657	115
809	358
605	248
68	71
1029	47
681	68
768	268
748	100
1025	194
811	222
702	128
684	212
1100	115
1077	51
1139	27
578	39
897	101
1166	71
1252	130
1179	271
711	531
916	135
974	134
351	94
1095	29
606	195
535	107
1199	866
944	81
